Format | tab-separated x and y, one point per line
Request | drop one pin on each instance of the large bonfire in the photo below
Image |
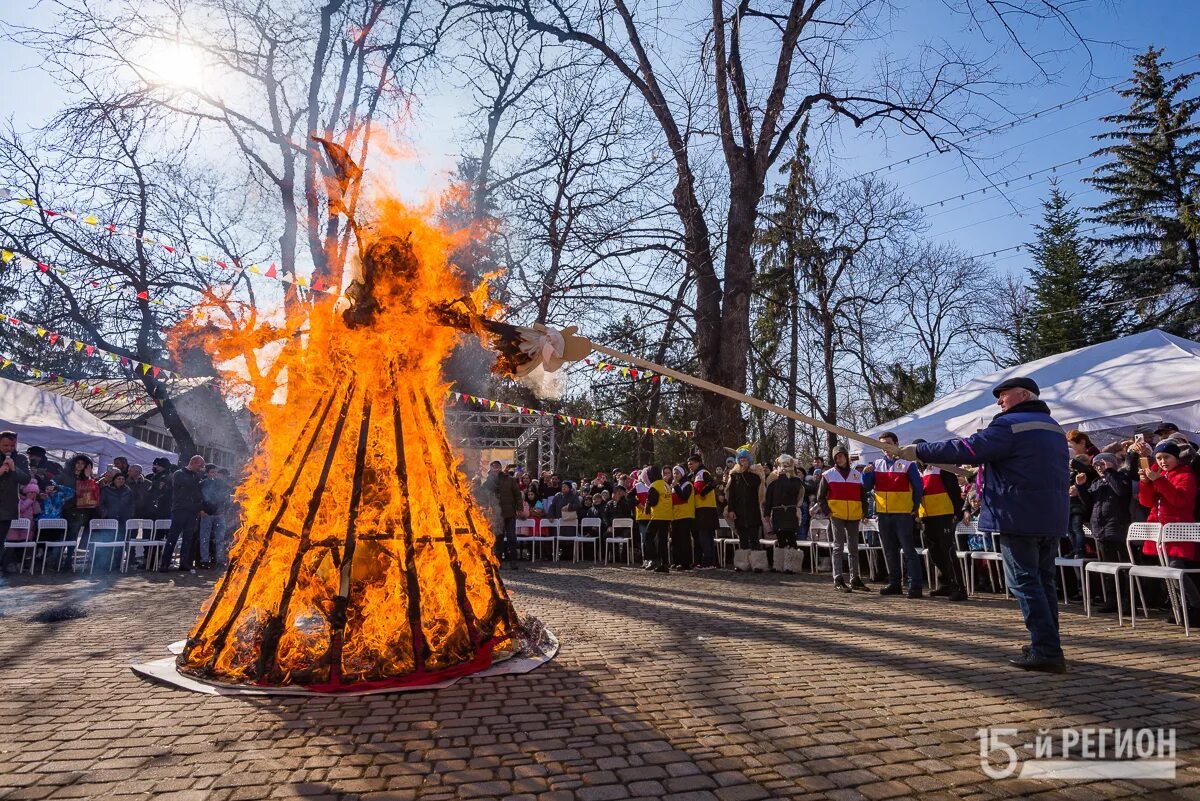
362	560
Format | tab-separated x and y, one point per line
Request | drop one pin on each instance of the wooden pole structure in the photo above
740	396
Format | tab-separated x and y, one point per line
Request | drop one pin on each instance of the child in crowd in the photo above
28	506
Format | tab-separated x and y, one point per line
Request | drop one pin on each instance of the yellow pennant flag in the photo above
254	268
41	332
145	369
6	256
92	219
25	201
78	346
7	362
204	259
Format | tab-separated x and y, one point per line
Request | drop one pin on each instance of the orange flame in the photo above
362	557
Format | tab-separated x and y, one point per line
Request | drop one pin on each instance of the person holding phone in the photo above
1168	489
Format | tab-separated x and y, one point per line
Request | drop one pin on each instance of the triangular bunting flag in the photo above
144	295
91	349
145	369
270	273
78	346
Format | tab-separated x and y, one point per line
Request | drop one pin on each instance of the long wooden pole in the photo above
739	396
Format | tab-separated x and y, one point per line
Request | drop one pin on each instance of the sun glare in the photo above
174	64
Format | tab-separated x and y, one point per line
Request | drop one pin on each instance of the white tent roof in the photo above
1116	385
60	424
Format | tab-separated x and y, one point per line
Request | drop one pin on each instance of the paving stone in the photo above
687	687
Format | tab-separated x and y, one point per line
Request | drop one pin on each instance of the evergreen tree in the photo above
1069	287
1153	186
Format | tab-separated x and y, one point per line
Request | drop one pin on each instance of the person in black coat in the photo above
158	498
186	503
117	501
14	475
784	497
1106	507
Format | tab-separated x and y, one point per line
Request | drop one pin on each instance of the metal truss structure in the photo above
529	436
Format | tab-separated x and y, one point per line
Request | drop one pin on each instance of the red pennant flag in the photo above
90	349
95	284
318	285
144	295
43	266
110	228
656	379
14	321
124	361
49	213
168	248
270	273
53	339
155	371
223	264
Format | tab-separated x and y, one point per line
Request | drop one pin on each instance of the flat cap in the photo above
1017	382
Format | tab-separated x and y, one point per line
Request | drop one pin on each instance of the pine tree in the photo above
1069	287
1153	187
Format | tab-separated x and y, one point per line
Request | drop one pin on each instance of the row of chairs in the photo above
105	536
580	533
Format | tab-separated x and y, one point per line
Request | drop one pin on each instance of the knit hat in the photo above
744	453
1167	446
32	486
679	471
1109	459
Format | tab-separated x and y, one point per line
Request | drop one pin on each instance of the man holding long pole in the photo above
1024	456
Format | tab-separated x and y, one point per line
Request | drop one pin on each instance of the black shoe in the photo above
649	565
662	569
890	590
856	583
1027	661
957	595
941	592
841	586
917	593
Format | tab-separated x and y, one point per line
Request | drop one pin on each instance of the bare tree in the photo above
267	75
752	105
115	288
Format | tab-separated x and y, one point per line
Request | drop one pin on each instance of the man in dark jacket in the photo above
504	497
620	507
42	469
1023	452
745	494
158	499
1106	508
186	503
14	475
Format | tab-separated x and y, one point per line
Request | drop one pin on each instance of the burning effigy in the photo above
363	560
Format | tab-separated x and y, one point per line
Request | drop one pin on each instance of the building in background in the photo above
123	404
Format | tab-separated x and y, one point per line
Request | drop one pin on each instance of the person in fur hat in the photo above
745	492
784	495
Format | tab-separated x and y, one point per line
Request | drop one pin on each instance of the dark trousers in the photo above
658	535
939	538
707	522
506	539
896	533
785	539
1075	531
682	553
185	524
1029	571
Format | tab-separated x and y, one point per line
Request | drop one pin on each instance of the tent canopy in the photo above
60	424
1115	387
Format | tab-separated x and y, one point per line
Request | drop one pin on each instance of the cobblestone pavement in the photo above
704	686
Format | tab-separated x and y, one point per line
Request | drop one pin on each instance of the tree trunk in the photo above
831	399
793	360
184	443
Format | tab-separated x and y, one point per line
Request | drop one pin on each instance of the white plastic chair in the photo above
140	535
1171	532
725	542
1139	533
20	538
820	537
962	536
874	551
98	540
525	536
616	540
992	558
162	530
1078	563
52	533
582	538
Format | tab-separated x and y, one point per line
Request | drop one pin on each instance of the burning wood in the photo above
362	559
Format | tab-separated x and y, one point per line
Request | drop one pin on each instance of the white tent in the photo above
1114	387
60	424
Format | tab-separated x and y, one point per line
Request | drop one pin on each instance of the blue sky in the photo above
979	224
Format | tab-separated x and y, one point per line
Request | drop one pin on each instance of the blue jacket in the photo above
1024	456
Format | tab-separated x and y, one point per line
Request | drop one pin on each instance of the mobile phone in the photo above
1145	460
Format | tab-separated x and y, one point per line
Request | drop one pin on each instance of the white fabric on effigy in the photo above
1114	387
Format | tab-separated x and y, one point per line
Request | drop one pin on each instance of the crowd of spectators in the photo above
1148	477
197	499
